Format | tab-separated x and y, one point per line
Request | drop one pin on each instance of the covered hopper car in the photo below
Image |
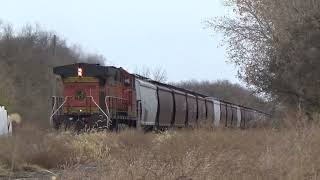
108	97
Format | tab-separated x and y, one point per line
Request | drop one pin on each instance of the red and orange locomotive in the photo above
94	96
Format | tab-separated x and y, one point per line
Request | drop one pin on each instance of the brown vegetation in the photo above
187	154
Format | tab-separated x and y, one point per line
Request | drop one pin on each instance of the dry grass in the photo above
186	154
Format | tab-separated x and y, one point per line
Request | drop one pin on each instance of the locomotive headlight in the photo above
80	110
70	118
80	72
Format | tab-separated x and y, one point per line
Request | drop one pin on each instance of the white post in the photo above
239	117
5	128
217	111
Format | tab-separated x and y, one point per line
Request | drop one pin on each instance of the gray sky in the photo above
163	33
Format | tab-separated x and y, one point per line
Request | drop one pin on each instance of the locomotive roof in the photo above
93	70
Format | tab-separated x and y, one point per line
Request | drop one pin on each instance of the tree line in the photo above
276	45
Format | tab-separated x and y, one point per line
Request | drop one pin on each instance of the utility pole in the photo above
54	43
54	83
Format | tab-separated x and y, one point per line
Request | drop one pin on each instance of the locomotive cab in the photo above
93	96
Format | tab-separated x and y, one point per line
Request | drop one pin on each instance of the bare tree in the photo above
157	74
276	45
143	71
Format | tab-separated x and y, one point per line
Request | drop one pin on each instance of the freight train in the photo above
107	97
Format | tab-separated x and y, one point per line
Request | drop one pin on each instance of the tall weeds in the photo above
186	154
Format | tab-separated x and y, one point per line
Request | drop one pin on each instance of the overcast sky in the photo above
132	34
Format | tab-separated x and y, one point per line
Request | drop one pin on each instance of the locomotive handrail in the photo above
65	100
107	107
107	116
105	101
